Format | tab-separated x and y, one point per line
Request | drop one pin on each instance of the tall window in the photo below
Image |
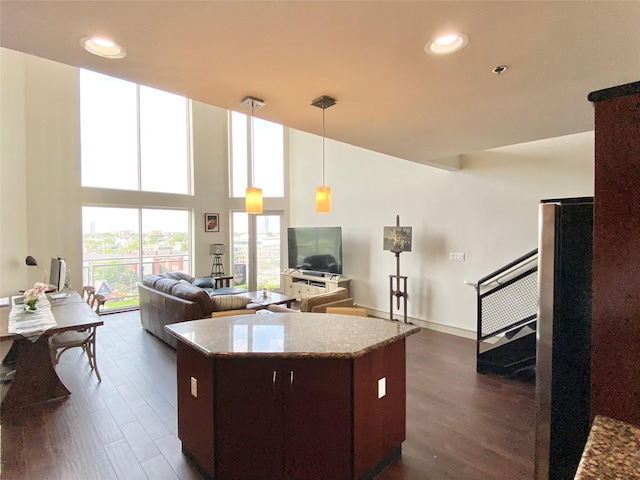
122	244
268	148
133	137
257	238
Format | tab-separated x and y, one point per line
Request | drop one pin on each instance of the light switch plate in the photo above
382	387
194	387
456	257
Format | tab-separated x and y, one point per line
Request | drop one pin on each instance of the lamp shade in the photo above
31	261
217	249
253	200
323	199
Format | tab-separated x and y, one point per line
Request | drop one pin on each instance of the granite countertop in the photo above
290	335
612	451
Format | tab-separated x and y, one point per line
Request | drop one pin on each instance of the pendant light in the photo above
323	193
253	198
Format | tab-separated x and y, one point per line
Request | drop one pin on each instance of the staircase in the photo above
507	317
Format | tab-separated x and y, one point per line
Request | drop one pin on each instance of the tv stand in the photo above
299	284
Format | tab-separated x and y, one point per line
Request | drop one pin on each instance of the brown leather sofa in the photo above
171	298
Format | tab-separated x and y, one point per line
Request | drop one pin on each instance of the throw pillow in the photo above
204	282
185	282
229	302
178	276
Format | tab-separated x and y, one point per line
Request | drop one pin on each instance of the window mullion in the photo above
139	143
140	247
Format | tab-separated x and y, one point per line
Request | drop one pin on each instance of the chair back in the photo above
87	293
97	302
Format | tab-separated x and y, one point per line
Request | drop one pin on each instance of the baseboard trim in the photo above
439	327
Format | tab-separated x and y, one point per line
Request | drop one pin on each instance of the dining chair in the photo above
87	292
97	302
357	311
86	339
228	313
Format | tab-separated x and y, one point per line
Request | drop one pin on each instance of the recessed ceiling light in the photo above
102	47
446	44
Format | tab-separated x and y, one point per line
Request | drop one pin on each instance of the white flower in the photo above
31	296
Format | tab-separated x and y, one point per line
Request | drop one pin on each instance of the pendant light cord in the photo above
252	147
323	168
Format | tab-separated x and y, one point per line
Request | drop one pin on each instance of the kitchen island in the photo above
291	395
612	451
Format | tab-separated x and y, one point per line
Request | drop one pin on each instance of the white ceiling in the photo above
392	97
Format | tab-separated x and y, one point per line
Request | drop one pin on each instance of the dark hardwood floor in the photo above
460	425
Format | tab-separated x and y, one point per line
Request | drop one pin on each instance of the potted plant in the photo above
31	296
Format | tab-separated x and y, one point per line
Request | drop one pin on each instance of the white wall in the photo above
487	210
13	208
40	169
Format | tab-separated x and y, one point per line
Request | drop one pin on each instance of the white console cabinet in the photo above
300	285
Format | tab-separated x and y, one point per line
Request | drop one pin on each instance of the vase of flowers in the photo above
31	296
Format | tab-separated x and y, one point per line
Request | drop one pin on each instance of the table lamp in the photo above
32	262
217	250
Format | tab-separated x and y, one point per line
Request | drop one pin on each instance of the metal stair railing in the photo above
507	300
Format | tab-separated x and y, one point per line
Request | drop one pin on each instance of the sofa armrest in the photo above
345	302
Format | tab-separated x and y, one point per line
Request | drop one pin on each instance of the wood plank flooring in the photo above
460	425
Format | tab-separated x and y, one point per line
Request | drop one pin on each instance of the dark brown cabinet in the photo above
615	324
292	417
283	418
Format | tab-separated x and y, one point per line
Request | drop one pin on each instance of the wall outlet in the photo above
382	387
194	387
456	257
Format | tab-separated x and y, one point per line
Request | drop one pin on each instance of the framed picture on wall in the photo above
211	222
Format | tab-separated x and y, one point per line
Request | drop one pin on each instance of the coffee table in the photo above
260	302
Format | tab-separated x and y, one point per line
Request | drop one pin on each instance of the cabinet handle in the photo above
291	381
273	383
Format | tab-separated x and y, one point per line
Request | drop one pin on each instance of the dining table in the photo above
35	379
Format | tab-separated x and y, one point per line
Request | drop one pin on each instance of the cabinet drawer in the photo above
306	290
291	289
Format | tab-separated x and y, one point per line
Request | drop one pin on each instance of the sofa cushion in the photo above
229	302
166	285
193	294
204	282
150	280
308	303
179	276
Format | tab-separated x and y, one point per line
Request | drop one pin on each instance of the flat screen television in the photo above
315	249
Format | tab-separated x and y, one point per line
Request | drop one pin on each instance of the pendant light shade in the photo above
253	195
253	200
323	193
323	199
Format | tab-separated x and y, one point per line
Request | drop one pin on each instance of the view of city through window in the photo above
122	244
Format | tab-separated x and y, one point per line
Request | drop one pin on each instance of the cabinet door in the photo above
318	419
195	412
248	419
